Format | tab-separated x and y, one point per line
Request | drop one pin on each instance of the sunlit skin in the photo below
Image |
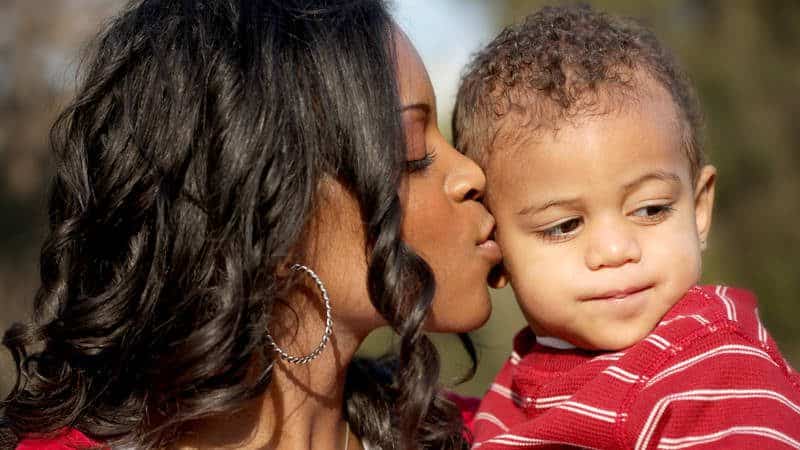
601	222
443	221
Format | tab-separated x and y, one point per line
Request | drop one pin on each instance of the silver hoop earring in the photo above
328	324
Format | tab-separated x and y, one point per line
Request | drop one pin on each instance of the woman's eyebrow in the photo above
424	107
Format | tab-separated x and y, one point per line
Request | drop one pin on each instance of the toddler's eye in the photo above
653	213
561	231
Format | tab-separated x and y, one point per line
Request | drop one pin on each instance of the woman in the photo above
244	190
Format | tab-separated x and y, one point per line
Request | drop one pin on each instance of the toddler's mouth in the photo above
617	294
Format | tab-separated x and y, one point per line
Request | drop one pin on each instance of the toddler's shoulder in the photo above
710	365
714	333
710	333
714	309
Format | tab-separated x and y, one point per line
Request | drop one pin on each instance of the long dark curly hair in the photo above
187	170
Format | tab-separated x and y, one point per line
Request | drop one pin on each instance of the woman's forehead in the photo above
412	77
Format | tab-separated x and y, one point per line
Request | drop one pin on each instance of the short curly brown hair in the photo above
560	62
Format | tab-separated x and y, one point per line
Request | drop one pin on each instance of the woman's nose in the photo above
466	181
612	245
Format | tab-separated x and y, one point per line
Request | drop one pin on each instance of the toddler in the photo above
589	136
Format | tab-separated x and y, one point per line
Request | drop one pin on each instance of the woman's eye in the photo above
653	212
415	165
561	231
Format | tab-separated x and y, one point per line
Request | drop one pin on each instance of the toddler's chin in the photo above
619	340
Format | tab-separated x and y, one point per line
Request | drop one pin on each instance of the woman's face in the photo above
444	220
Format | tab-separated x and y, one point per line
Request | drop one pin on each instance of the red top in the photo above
709	376
70	440
75	439
468	406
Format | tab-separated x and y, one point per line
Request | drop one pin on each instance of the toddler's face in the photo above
600	223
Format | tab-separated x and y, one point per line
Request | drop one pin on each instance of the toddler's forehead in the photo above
514	155
508	162
523	113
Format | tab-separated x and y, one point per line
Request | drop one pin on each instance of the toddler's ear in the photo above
498	276
704	200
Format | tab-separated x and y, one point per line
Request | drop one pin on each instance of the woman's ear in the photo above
704	200
499	276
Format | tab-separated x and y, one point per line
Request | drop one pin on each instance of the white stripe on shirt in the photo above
732	349
690	441
708	395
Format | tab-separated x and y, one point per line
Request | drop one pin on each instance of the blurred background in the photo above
743	55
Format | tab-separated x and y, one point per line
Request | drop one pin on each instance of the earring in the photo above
328	324
703	244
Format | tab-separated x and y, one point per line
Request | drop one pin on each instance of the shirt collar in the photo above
554	342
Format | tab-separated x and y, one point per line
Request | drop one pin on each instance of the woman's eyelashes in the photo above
416	165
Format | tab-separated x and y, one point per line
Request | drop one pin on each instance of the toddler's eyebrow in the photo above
667	177
661	175
533	209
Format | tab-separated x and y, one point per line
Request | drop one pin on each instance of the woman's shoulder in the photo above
67	440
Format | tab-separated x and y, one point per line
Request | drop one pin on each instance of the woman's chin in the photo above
463	317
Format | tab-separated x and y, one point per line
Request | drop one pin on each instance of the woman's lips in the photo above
618	294
491	250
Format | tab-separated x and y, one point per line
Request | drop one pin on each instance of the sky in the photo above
445	33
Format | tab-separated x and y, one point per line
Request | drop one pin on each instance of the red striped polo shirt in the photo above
709	376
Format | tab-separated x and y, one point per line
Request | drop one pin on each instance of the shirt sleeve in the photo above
727	392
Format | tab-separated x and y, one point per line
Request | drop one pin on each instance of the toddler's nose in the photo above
612	246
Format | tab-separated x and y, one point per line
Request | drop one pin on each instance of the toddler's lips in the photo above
617	294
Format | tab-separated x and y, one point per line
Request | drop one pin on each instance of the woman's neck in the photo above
302	407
